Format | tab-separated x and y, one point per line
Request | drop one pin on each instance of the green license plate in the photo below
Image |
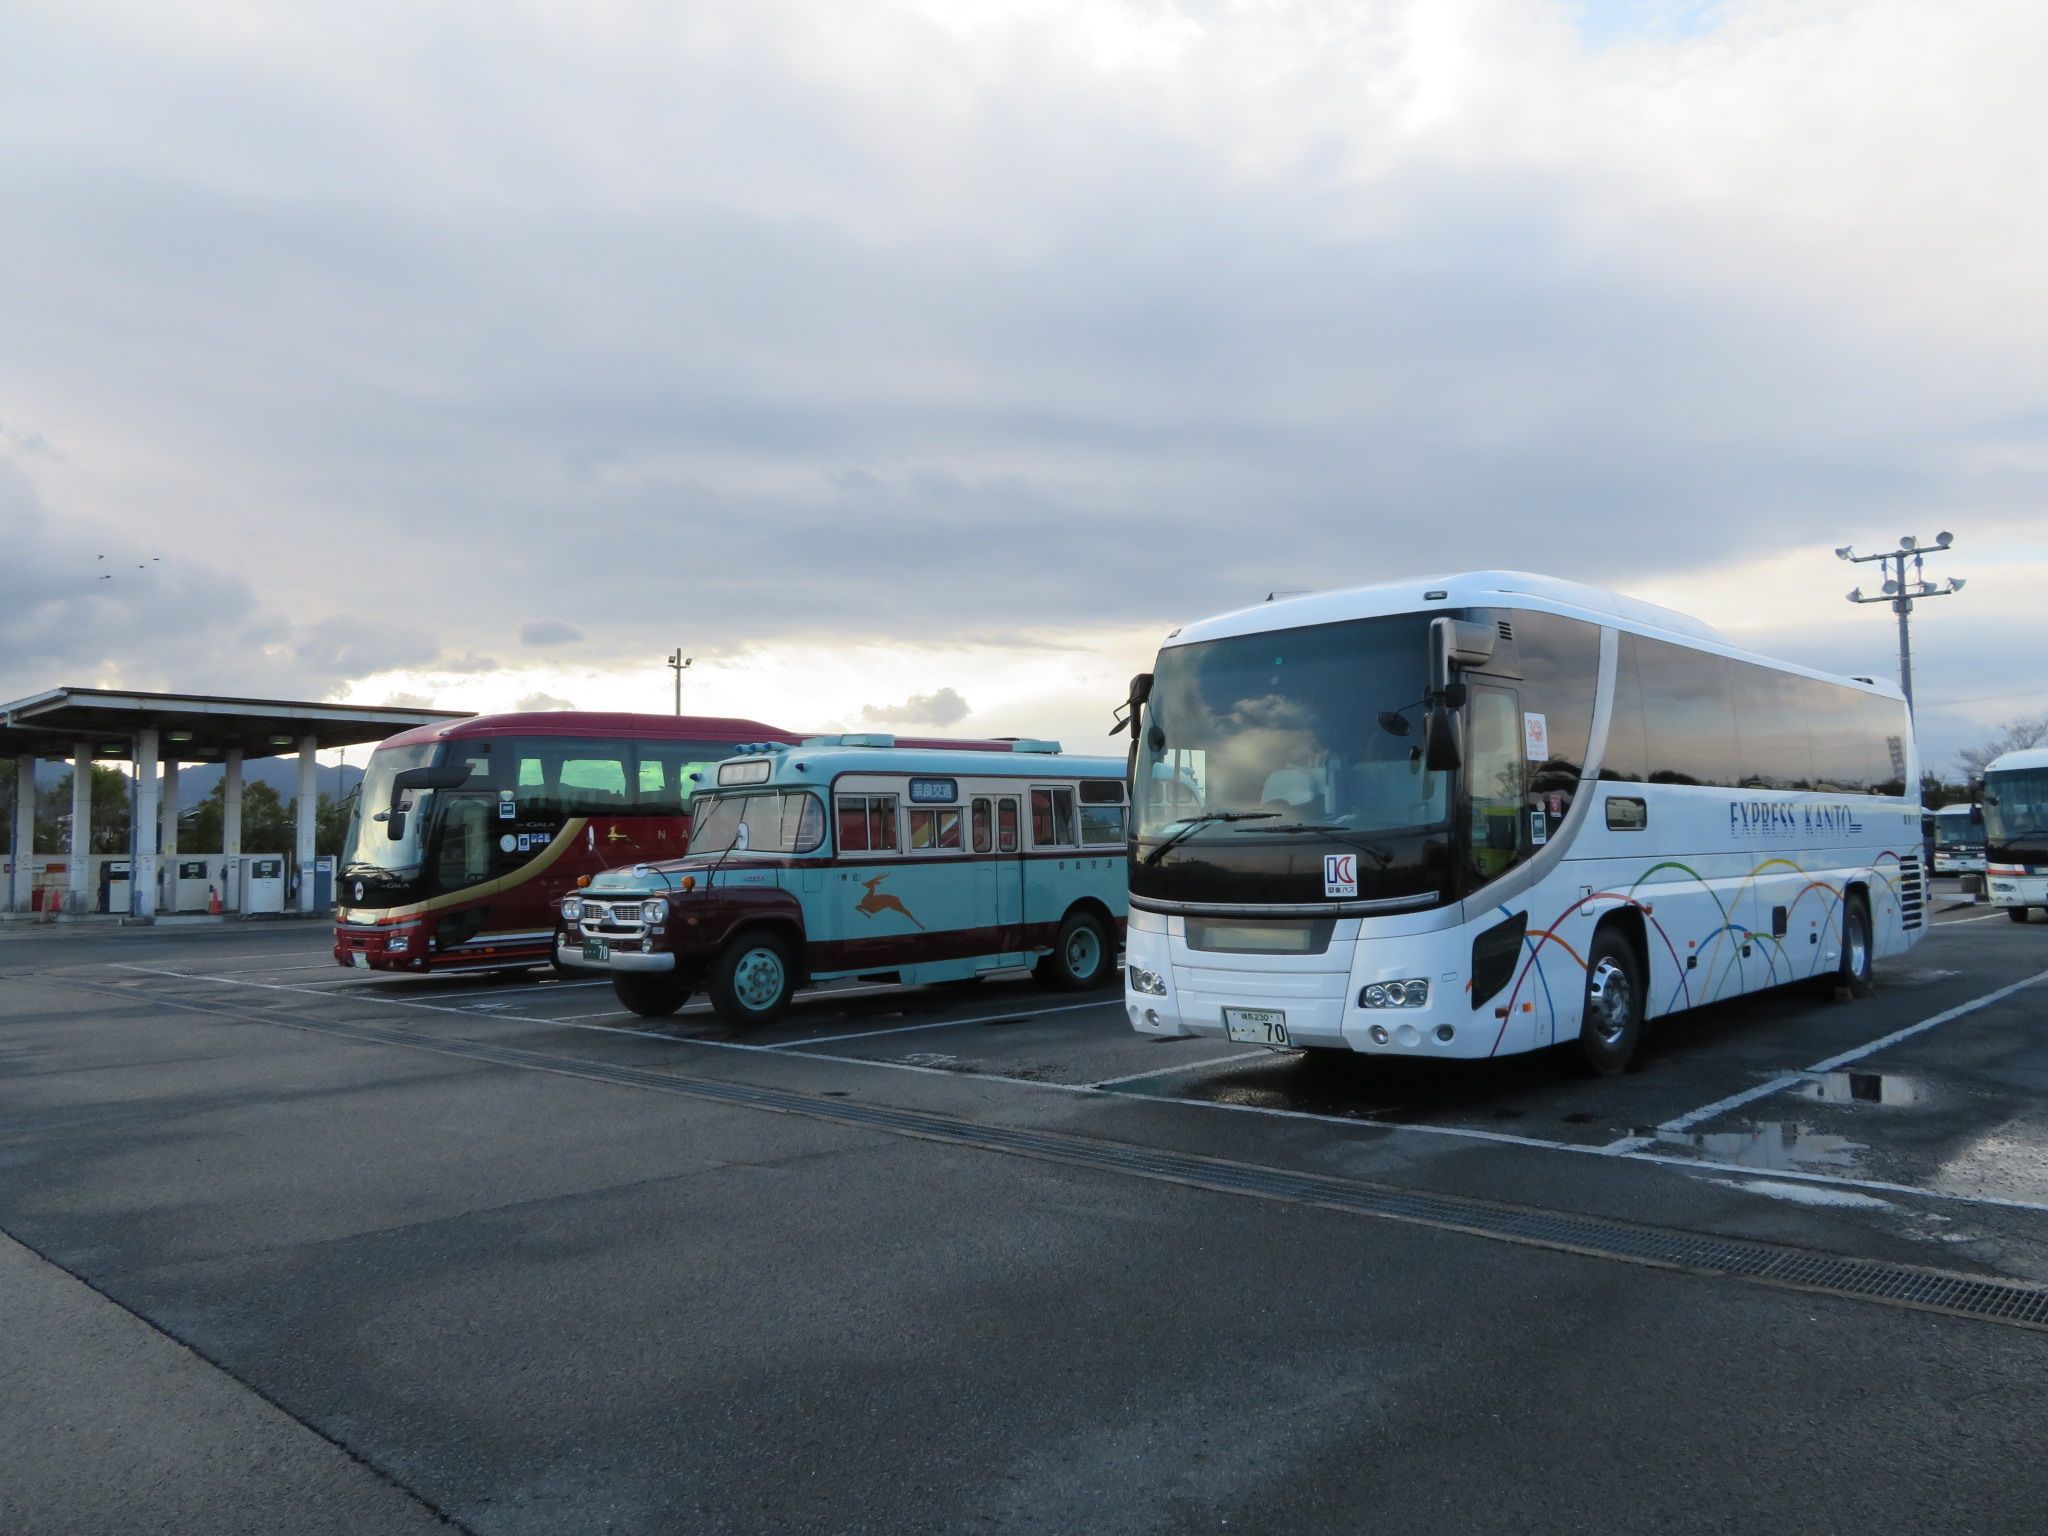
596	949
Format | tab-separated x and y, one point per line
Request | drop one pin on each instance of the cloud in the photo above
1047	317
548	632
541	701
943	708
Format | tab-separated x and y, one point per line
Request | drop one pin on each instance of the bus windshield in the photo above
1265	735
777	821
370	845
2016	804
1954	829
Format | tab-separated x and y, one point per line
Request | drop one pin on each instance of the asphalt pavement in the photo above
292	1248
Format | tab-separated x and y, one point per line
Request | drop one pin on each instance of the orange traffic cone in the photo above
212	902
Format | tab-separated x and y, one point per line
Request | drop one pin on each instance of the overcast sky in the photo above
920	364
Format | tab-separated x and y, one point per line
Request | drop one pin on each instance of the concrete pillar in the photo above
142	832
167	812
309	800
231	830
82	893
21	846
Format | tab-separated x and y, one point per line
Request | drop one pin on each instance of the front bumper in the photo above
2017	890
1320	994
631	960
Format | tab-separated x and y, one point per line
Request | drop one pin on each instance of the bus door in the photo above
995	830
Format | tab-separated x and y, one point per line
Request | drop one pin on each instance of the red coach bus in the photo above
464	836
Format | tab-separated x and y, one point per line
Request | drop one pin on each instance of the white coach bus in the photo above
1498	812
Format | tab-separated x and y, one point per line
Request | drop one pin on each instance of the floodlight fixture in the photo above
1903	588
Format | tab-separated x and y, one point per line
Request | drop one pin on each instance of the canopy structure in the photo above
86	725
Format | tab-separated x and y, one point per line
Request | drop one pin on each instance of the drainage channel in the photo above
1990	1300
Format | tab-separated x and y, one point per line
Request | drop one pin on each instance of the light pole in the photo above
678	661
1900	592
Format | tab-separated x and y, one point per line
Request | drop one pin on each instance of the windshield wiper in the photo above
1194	823
1327	827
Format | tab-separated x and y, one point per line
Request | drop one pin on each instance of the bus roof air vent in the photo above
1026	744
869	740
1507	630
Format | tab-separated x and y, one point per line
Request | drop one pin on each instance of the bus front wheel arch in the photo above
1611	1022
753	978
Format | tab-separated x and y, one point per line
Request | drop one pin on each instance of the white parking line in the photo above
1779	1084
903	1029
1185	1066
1959	921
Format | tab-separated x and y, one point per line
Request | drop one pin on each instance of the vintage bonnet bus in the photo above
1496	812
853	856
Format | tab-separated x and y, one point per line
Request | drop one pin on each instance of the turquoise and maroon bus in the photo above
867	856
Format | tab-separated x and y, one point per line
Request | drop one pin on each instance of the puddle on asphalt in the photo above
1782	1145
1887	1088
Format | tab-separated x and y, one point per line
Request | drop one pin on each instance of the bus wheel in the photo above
1854	976
1080	957
751	982
2017	914
1611	1027
652	997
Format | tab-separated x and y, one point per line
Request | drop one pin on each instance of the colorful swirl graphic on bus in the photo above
1709	965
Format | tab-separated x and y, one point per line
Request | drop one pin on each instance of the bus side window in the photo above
1496	771
1052	818
1006	826
983	833
853	824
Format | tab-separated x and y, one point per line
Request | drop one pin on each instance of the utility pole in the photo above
678	662
1901	592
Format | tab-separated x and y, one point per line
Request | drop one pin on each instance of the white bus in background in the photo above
1959	840
2015	808
1498	812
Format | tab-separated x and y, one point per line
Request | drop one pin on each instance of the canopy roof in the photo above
193	726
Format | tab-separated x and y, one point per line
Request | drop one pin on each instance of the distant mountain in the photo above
196	780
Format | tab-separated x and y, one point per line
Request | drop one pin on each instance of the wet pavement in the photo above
410	1210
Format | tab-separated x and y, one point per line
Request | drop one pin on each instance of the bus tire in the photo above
1611	1024
652	997
752	979
1082	955
2017	914
1853	976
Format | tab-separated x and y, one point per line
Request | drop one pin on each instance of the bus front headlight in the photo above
1396	994
572	909
654	911
1150	983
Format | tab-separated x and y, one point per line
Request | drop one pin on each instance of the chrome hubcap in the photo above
1084	951
1859	945
757	979
1609	1005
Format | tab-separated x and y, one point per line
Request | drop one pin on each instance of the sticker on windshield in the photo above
1539	829
508	843
1340	874
1535	737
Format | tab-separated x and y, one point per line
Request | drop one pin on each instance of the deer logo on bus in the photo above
877	901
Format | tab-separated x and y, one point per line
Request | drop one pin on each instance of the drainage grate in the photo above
2001	1301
